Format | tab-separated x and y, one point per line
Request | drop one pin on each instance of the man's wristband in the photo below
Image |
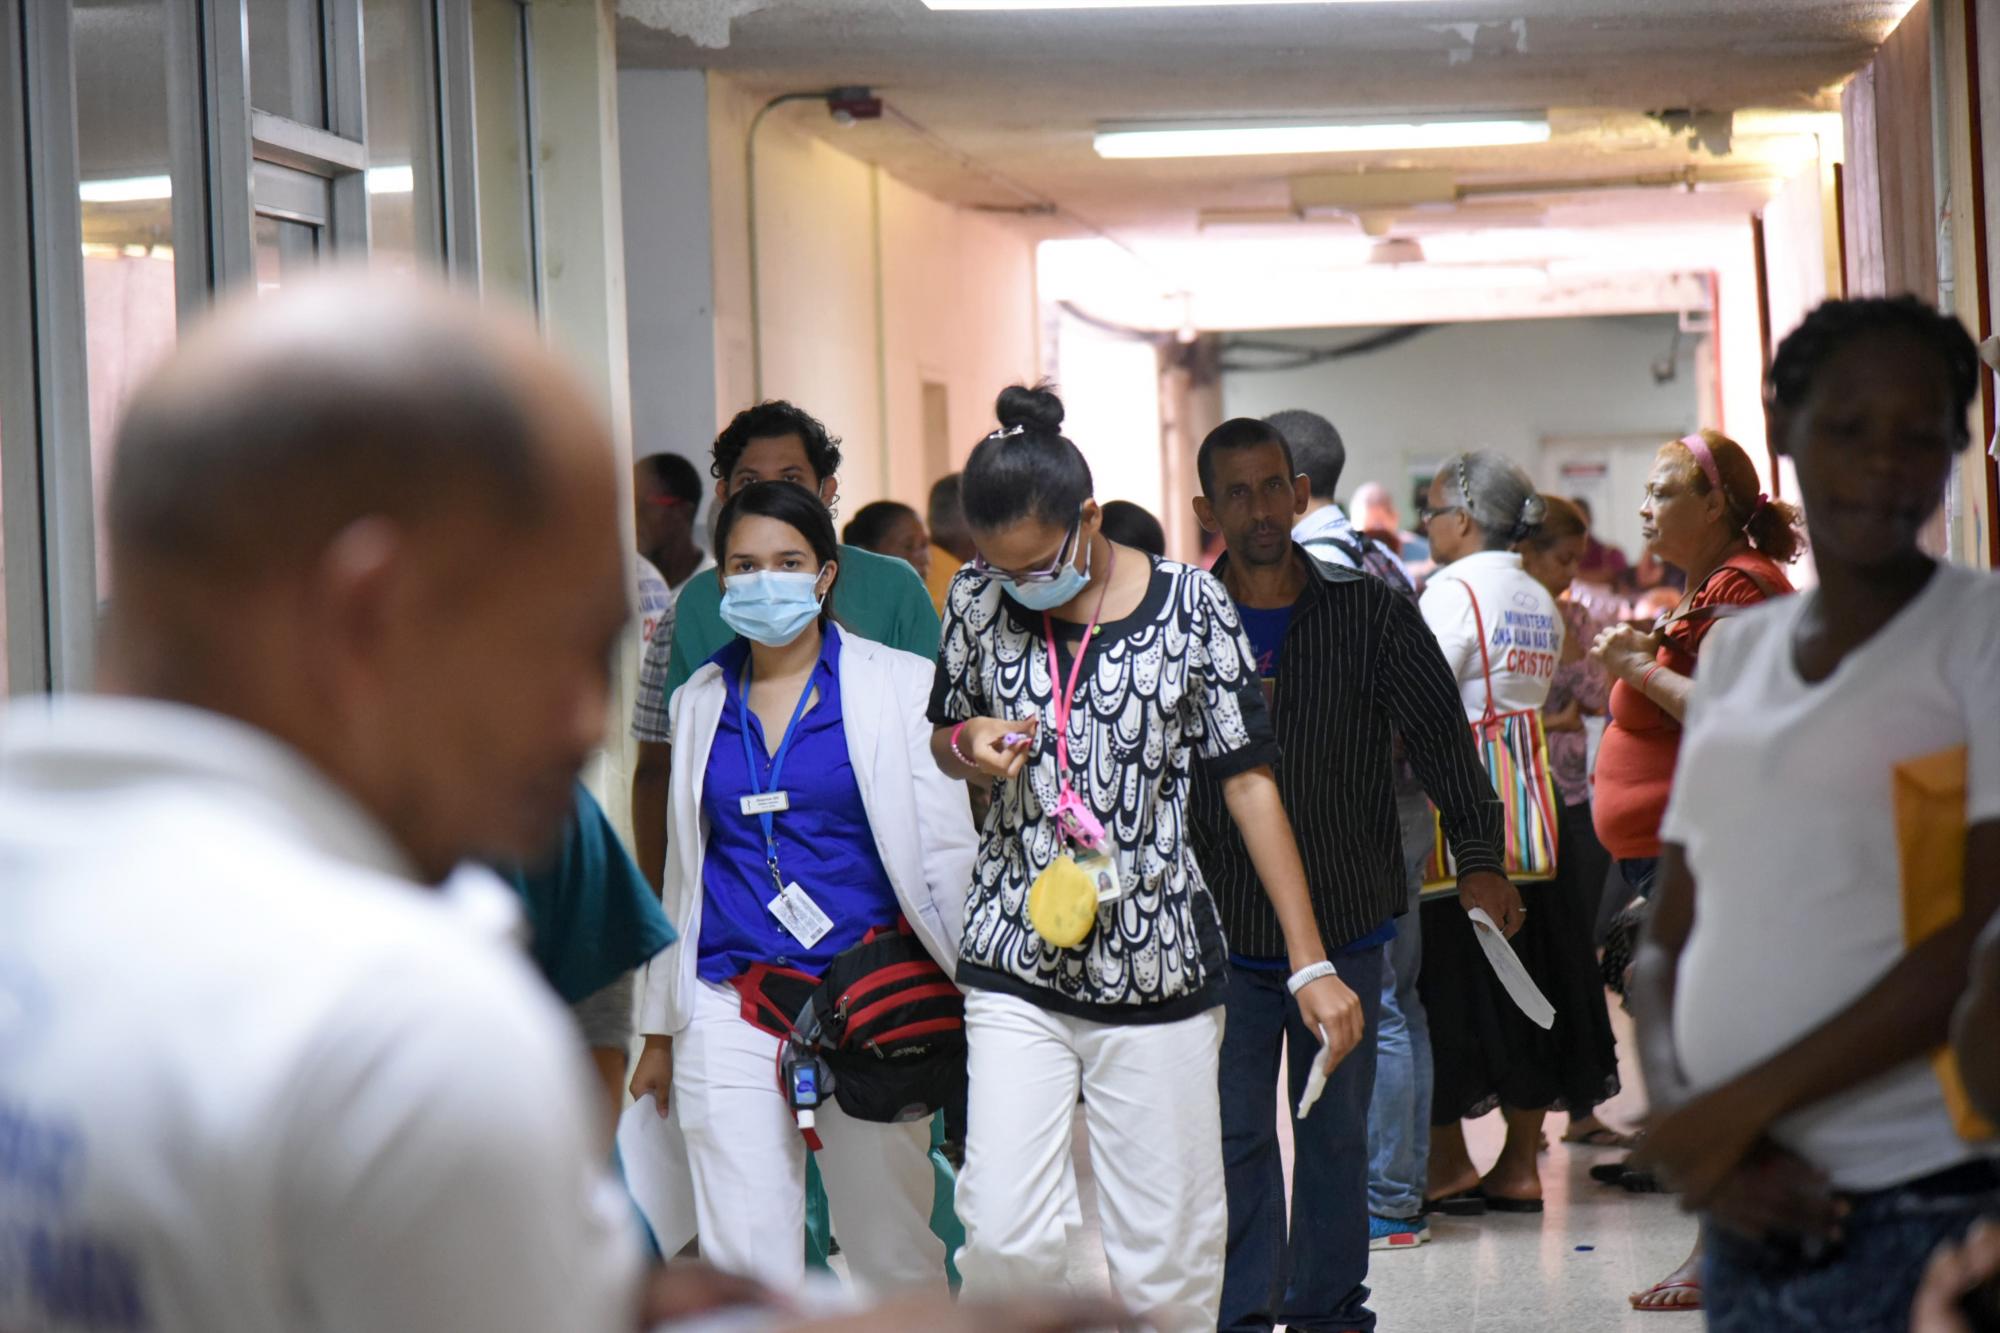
1306	976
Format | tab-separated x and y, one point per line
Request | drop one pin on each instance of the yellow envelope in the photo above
1930	837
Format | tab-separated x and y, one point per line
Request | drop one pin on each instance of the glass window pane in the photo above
288	59
284	249
127	207
402	133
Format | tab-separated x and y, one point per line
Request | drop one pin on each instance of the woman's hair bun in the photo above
1037	410
1534	510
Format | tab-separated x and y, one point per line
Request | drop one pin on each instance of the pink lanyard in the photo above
1064	701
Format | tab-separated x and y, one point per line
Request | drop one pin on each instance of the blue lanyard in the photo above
766	818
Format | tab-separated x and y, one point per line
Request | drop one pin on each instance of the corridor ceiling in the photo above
1022	93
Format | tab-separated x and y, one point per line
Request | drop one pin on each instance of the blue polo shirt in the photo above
824	842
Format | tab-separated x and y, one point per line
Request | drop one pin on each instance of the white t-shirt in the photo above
1784	803
650	599
253	1078
1524	630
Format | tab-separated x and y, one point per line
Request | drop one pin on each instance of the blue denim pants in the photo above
1399	1115
1866	1283
1315	1279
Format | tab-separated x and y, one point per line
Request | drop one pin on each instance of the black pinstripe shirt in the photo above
1358	663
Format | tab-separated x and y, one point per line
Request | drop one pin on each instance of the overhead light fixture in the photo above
400	179
126	190
1255	138
1122	4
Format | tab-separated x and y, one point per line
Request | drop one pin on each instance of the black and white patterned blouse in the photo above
1173	678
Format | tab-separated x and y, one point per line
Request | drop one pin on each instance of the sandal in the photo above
1610	1173
1603	1137
1465	1203
1667	1288
1641	1182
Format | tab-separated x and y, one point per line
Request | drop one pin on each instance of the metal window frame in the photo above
458	137
52	608
215	141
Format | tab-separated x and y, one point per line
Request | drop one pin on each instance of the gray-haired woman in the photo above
1486	609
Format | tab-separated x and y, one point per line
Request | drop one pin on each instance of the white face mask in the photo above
771	606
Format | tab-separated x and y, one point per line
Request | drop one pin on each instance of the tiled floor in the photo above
1569	1269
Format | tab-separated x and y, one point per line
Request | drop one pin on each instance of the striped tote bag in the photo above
1515	750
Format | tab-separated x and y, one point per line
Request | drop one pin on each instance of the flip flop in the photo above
1660	1289
1465	1203
1641	1182
1500	1203
1603	1137
1610	1173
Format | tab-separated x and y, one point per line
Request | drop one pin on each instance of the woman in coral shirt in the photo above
1703	513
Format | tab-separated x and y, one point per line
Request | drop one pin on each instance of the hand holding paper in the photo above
1514	978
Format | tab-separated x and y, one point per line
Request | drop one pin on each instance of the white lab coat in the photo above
919	818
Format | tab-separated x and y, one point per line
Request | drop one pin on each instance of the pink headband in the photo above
1704	458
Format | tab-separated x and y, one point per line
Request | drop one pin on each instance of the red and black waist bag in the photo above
886	1019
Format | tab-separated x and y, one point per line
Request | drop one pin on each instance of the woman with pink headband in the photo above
1706	514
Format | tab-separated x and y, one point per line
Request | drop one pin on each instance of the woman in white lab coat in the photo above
868	836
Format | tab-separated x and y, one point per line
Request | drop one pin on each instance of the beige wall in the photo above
856	320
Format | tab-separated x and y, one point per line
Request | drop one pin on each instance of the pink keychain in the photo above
1077	822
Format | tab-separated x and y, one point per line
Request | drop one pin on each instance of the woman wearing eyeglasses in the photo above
1084	679
1502	634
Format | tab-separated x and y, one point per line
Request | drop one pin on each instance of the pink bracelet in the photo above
956	732
1647	679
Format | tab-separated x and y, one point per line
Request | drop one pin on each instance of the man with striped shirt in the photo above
1348	660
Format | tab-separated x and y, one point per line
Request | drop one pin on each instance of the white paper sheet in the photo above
1513	976
656	1171
1315	1082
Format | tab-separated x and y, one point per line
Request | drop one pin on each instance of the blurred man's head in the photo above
378	522
1317	450
666	493
946	519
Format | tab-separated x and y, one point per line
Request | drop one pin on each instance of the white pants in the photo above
748	1162
1154	1118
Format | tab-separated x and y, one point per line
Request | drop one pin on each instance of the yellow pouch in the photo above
1062	905
1930	838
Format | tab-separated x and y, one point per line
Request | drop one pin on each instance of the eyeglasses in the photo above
1048	573
1427	513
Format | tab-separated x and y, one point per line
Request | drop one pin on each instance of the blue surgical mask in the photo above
1048	596
771	606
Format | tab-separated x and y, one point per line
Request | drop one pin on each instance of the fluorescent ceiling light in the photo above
1252	138
126	190
142	189
1121	4
392	180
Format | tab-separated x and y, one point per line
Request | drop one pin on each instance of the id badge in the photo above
1103	873
800	915
766	803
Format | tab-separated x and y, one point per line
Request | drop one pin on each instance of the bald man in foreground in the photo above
367	582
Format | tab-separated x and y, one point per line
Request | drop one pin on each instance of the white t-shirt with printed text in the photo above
1524	630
